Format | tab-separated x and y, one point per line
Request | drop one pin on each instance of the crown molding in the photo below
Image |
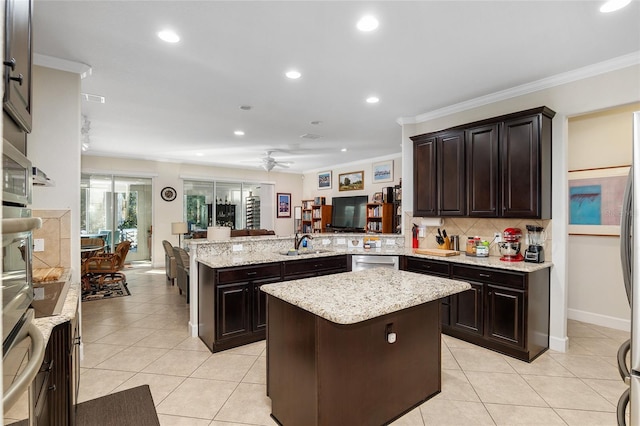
62	65
557	80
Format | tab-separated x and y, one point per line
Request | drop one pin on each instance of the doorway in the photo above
117	208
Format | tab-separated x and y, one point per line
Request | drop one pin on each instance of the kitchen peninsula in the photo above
354	348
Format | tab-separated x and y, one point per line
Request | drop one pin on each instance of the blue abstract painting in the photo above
585	205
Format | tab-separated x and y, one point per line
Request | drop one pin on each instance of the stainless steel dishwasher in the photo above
360	262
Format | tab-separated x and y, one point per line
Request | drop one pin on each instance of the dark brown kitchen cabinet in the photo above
467	310
425	202
231	307
482	170
451	174
525	148
498	167
314	267
17	62
439	175
506	311
55	384
436	268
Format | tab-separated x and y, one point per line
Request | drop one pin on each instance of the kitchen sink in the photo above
303	252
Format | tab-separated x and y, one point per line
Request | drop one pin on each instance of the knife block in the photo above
446	245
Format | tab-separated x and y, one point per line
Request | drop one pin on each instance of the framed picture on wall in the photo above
283	201
351	181
324	180
382	171
595	200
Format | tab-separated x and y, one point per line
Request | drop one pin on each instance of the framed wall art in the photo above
351	181
595	200
324	180
382	171
283	201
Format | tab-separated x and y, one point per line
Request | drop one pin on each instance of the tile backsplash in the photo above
56	233
471	227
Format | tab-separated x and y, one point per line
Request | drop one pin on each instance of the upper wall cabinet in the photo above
17	62
499	167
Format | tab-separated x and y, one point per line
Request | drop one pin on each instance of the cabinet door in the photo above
466	309
232	310
259	303
424	177
482	170
17	75
520	168
451	174
505	315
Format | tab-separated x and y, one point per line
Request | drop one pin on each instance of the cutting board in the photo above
437	252
41	275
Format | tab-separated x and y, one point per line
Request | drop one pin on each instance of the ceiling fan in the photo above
268	162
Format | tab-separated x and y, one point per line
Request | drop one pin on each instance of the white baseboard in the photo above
559	344
599	319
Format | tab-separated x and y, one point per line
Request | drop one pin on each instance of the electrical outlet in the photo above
497	237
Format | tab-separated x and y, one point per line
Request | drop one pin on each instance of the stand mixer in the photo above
535	237
510	245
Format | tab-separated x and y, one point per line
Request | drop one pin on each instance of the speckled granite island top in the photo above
352	297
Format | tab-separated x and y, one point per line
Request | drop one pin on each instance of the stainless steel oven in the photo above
16	176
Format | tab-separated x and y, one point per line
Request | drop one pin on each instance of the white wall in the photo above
310	179
600	91
54	146
173	174
597	140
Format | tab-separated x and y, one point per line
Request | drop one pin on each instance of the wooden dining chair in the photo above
105	268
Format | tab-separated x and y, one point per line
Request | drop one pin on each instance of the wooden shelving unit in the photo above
320	217
307	216
380	218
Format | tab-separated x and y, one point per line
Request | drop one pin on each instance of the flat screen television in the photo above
349	214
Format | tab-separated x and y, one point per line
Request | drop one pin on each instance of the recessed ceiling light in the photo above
367	23
344	150
293	74
373	100
169	36
613	5
245	107
199	154
238	133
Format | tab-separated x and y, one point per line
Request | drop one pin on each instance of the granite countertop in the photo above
67	313
242	258
352	297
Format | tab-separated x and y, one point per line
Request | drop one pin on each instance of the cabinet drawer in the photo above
493	276
429	267
318	265
248	273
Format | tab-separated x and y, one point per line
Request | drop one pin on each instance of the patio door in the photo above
117	208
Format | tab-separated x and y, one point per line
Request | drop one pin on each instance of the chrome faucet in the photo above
298	241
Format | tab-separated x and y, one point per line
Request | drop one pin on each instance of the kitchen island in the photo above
354	348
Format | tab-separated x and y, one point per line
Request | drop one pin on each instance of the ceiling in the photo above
181	102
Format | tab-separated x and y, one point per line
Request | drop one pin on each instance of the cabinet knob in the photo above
11	63
251	273
52	387
19	78
485	275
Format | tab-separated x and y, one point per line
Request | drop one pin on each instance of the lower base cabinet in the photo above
504	310
56	384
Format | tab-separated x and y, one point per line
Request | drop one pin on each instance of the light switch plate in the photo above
38	244
326	241
237	247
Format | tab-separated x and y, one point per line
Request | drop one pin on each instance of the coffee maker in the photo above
535	237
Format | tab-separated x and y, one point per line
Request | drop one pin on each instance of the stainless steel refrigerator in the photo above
630	257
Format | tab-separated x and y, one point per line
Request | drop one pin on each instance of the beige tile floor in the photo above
143	339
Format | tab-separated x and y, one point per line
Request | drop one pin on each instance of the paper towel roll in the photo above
431	221
218	233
